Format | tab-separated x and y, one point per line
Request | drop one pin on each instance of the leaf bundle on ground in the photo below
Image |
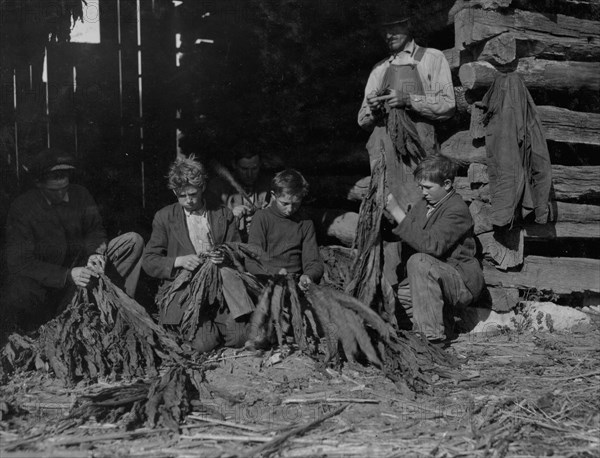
102	334
348	328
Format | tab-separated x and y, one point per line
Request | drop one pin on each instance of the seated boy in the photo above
180	232
287	242
443	274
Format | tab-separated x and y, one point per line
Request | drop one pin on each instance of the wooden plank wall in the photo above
91	107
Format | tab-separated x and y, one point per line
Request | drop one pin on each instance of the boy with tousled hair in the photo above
442	271
182	231
287	241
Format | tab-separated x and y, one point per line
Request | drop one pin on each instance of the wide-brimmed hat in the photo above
395	12
50	160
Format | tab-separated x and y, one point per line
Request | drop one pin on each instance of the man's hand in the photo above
216	257
189	262
375	104
97	263
395	99
241	210
304	282
394	208
81	276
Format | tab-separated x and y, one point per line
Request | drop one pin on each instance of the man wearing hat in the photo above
55	242
405	94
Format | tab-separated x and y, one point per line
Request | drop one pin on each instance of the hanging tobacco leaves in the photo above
368	284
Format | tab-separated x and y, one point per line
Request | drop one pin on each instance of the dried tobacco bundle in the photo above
368	284
280	308
107	334
201	290
346	324
163	401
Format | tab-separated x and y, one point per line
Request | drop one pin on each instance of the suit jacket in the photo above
45	241
446	235
170	239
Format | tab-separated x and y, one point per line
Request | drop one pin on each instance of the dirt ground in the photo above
515	395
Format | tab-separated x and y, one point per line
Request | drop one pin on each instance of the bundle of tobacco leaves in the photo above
162	401
347	327
338	261
278	309
104	334
202	289
368	284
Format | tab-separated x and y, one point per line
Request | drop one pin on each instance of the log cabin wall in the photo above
554	47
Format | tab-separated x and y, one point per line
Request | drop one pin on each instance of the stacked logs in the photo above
554	47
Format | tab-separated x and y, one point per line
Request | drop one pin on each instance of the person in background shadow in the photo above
55	242
247	170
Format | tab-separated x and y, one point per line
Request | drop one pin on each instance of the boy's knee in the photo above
237	332
135	241
419	262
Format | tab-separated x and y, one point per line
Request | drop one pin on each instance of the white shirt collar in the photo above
409	49
200	212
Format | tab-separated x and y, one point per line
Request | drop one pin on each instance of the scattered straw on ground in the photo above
518	395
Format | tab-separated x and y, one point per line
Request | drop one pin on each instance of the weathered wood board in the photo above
536	73
559	275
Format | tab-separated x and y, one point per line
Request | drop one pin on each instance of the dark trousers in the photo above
26	303
221	330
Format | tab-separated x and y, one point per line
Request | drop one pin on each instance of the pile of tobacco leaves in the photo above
104	334
330	325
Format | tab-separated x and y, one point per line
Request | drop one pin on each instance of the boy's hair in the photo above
187	171
290	181
436	169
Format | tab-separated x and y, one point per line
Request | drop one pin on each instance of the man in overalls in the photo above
405	94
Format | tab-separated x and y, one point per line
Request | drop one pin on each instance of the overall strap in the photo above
419	53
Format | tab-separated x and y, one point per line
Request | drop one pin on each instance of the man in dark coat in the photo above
182	231
443	274
56	242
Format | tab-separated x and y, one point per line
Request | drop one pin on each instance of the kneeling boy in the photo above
443	273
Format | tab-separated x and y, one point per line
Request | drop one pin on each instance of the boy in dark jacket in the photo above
443	273
182	231
287	242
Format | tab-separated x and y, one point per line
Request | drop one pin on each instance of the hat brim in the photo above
397	22
60	167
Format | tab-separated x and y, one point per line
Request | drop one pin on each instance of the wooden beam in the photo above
461	147
559	275
566	126
498	50
536	73
569	182
560	125
566	220
557	36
